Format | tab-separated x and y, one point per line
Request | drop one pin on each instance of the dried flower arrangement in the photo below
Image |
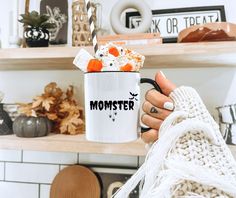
59	107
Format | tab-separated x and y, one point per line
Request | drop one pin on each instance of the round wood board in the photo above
75	182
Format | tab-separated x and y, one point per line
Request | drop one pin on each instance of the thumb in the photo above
166	86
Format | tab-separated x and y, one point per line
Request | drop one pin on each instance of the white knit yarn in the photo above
190	159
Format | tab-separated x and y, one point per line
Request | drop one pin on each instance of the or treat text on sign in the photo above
170	22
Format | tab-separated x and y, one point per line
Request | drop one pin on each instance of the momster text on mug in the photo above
112	104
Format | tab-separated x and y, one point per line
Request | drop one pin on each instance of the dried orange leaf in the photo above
58	106
46	102
71	124
37	102
70	92
52	90
51	116
71	108
65	106
33	113
25	109
50	87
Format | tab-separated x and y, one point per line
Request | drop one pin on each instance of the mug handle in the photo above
156	87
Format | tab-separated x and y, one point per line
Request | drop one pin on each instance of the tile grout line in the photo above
39	190
63	164
25	182
77	158
4	169
35	163
138	161
21	156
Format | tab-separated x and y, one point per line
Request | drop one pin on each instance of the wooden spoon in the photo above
75	182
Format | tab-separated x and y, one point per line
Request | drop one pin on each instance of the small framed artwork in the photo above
58	12
169	22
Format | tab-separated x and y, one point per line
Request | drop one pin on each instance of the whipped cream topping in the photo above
109	57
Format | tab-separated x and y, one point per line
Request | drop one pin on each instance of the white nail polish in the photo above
169	106
162	74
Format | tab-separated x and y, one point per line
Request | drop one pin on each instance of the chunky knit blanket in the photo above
190	159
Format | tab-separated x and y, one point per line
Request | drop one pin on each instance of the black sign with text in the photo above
170	22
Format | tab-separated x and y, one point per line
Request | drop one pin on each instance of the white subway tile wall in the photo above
62	167
35	173
107	159
44	191
10	155
2	171
50	157
141	160
28	174
18	190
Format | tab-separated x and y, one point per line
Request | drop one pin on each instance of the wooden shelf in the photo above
175	55
50	58
71	143
75	143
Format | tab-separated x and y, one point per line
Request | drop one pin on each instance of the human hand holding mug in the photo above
157	106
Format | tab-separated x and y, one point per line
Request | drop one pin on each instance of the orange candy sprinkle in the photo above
114	51
94	65
127	67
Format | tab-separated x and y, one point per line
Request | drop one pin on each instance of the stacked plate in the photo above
227	122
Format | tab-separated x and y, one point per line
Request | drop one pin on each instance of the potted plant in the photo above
52	111
36	31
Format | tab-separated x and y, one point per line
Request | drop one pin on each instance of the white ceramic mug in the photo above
112	103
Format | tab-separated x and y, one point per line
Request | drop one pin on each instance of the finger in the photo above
150	136
153	123
155	112
159	100
166	85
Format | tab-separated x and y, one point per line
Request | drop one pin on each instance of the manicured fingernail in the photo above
162	74
169	106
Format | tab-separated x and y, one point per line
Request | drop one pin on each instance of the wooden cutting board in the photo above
75	182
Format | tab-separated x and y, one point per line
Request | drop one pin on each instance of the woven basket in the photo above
80	25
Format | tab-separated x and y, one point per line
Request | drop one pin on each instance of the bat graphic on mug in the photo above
133	96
